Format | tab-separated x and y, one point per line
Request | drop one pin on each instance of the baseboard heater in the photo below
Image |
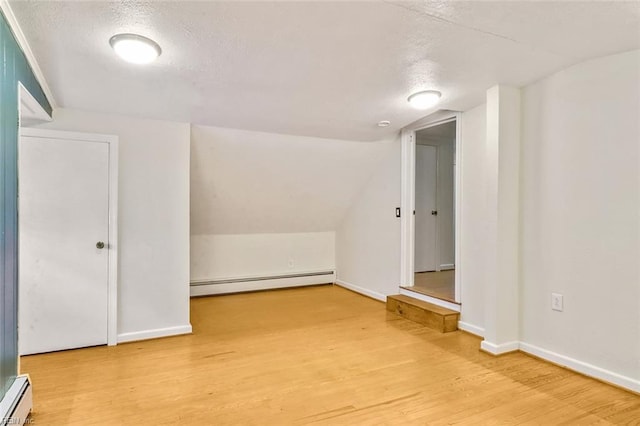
17	402
237	285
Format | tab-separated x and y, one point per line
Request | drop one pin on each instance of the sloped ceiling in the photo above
325	69
245	182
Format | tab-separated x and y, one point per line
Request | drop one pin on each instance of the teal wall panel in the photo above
14	69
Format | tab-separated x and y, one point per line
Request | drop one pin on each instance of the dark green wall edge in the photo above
15	68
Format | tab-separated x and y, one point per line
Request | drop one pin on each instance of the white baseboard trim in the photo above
154	334
365	291
447	267
253	284
564	361
582	367
429	299
470	328
500	349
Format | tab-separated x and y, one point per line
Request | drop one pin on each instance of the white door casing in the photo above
67	285
426	169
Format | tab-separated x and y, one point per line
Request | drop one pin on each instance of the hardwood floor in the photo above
436	284
320	355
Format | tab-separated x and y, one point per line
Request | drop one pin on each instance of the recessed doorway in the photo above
434	249
429	254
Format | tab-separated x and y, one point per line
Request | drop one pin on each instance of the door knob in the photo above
434	212
100	245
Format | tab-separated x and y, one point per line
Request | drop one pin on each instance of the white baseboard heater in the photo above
242	284
17	402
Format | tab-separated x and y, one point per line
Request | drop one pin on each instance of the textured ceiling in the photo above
326	69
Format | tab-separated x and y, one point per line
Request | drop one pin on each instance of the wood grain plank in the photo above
432	316
321	356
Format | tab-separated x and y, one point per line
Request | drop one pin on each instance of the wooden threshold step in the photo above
430	315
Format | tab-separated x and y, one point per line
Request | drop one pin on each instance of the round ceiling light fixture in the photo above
384	123
135	48
425	99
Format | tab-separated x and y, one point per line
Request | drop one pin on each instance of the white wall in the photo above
153	190
265	204
580	214
474	212
445	202
501	289
368	240
232	256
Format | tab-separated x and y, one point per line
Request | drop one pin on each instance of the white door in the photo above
425	220
63	217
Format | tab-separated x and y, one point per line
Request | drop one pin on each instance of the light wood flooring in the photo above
317	355
436	284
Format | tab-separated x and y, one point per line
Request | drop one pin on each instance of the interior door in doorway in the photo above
426	211
64	231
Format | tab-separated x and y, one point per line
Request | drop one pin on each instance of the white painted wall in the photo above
446	214
580	214
265	204
153	290
225	256
368	239
474	212
503	197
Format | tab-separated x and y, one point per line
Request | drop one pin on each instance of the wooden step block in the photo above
430	315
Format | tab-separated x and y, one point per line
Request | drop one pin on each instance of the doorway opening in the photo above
430	243
434	249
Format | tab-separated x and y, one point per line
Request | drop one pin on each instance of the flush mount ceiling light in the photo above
135	48
384	123
424	100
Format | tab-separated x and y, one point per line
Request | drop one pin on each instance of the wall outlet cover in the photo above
557	303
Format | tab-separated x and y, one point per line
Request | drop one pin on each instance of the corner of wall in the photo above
368	238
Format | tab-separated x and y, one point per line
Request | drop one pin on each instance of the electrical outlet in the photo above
557	303
290	263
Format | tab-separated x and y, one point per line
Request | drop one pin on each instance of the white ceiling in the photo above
326	69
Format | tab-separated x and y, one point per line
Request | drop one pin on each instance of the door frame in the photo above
408	193
112	275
